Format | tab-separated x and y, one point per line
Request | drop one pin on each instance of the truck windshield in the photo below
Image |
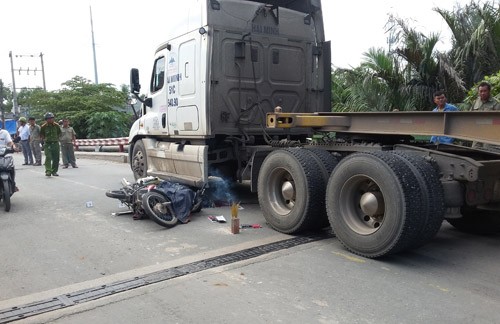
305	6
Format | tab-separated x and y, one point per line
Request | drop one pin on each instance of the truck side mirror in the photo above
135	86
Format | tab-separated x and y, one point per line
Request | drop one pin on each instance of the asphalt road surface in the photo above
65	257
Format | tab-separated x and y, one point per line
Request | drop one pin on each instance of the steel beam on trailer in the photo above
481	126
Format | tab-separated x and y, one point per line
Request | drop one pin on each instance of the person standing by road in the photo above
442	106
35	140
485	102
49	133
24	133
67	139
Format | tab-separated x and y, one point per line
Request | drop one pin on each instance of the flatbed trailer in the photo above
483	126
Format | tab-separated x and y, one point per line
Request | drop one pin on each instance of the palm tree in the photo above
359	90
425	69
385	80
476	39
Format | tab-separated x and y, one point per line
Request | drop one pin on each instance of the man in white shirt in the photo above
24	132
5	138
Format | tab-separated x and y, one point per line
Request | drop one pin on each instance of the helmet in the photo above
22	119
49	115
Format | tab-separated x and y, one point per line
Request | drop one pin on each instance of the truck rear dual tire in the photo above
327	162
291	189
432	200
373	202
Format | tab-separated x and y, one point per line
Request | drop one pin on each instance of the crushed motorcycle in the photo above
164	202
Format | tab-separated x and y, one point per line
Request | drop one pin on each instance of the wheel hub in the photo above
138	163
372	203
287	190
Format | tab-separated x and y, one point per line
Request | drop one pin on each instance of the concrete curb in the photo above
114	157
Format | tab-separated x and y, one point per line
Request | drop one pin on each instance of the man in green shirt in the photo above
67	140
485	102
49	133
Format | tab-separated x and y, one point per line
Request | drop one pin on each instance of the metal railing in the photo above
99	142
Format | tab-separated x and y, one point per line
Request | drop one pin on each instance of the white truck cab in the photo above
227	64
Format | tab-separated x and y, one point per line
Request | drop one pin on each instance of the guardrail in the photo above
120	142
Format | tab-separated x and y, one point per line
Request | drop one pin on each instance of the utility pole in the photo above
43	71
93	46
14	92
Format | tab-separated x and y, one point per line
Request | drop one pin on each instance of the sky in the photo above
127	32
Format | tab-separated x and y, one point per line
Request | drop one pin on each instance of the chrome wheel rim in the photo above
282	193
362	205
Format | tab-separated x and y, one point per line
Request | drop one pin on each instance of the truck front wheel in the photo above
291	190
139	162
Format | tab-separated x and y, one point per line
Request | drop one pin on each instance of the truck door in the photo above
187	112
184	87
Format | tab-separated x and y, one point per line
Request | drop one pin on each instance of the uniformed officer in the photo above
49	133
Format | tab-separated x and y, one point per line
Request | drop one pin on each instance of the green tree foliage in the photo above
405	76
375	85
384	81
79	100
341	89
476	39
425	69
6	97
108	124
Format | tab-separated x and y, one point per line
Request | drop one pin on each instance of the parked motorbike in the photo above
7	188
144	199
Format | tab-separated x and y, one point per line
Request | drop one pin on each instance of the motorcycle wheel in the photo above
6	195
151	203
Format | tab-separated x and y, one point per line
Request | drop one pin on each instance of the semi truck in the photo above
241	90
